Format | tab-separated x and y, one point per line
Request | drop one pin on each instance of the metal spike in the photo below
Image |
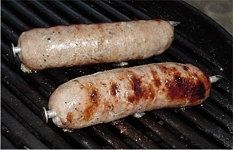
174	23
215	78
49	114
15	50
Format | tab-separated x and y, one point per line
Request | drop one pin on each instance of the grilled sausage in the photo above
110	95
75	45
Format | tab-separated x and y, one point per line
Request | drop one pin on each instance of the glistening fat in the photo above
81	44
110	95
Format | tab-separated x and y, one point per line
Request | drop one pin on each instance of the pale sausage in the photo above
81	44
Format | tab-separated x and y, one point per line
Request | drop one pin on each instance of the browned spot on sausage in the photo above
90	111
118	23
136	84
108	106
197	91
131	99
97	27
142	91
186	68
185	89
163	68
114	89
76	81
149	92
78	27
69	117
167	70
100	27
156	78
57	28
157	20
94	96
74	57
195	75
104	84
91	104
172	69
63	122
157	82
177	79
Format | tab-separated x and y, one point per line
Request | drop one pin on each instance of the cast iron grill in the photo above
198	40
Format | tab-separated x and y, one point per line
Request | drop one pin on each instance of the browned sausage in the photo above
110	95
74	45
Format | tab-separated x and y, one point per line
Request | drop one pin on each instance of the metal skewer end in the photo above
215	78
49	114
15	50
174	23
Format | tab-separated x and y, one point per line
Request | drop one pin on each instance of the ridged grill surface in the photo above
198	40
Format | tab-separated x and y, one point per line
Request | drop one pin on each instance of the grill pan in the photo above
198	40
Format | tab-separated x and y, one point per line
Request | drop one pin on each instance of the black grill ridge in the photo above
208	125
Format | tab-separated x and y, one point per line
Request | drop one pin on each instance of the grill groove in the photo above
186	131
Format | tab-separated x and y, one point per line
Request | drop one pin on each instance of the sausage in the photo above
110	95
75	45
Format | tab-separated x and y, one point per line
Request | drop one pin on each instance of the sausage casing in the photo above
110	95
75	45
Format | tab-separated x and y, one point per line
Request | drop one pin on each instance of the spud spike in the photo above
49	114
15	50
215	78
174	23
